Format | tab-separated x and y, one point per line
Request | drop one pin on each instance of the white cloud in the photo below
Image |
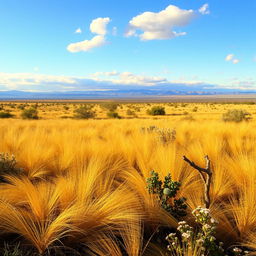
113	81
36	69
160	25
230	57
204	9
99	26
78	31
235	61
87	45
20	80
128	78
111	73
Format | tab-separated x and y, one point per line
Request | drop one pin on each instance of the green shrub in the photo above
4	114
111	114
166	192
84	112
236	115
30	113
156	110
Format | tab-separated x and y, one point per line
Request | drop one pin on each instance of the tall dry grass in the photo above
84	182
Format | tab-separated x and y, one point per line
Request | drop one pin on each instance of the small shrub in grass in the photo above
84	112
21	107
4	114
130	112
110	106
8	166
236	115
195	109
30	113
111	114
156	110
166	192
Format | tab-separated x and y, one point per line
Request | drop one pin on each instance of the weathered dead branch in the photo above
206	176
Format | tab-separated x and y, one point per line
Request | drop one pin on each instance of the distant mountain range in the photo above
116	93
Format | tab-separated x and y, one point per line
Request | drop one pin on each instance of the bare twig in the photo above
206	176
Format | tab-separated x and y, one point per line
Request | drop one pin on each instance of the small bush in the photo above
236	115
4	114
84	112
21	107
156	110
130	112
8	166
30	113
113	115
166	192
195	109
110	106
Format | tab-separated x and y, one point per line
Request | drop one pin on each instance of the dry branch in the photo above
206	176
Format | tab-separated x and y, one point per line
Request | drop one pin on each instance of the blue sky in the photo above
207	43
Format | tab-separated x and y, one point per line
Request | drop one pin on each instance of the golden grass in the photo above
85	181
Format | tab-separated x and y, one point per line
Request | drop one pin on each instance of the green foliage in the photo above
111	114
166	192
8	166
84	112
236	115
30	113
5	114
156	110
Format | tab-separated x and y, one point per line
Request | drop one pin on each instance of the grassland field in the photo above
83	184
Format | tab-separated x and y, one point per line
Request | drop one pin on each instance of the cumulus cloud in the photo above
231	58
87	45
204	9
97	26
160	25
78	31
